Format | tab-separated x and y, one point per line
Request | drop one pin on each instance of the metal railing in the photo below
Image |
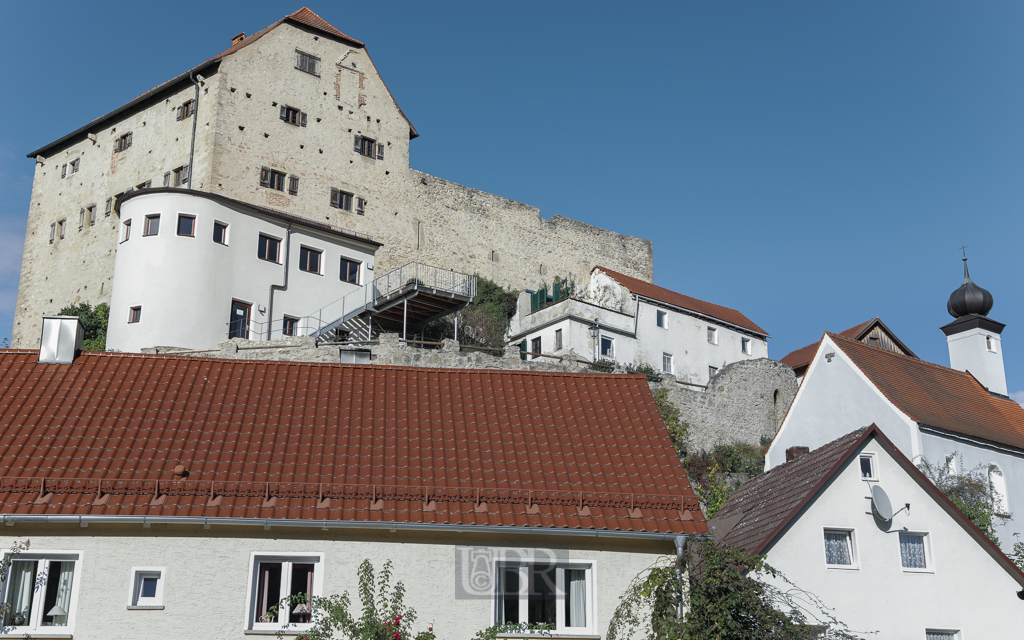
426	277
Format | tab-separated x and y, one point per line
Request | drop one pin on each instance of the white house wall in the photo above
207	576
185	285
967	591
833	400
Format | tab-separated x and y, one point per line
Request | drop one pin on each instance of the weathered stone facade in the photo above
240	130
746	401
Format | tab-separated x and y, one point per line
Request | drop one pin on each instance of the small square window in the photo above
275	578
558	339
186	109
152	225
291	115
839	551
990	344
123	142
272	179
535	348
341	199
309	260
134	315
712	335
369	147
607	347
187	226
180	176
663	319
269	248
309	64
914	551
867	467
290	326
147	588
666	363
91	213
746	345
712	372
349	271
220	233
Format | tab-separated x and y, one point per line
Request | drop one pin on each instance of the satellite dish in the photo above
880	501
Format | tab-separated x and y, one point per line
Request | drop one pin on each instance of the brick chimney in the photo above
793	453
237	39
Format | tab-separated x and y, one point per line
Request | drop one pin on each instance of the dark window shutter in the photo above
335	196
380	150
358	140
81	219
178	116
64	171
128	140
293	185
302	119
284	113
264	177
167	179
185	175
110	201
360	205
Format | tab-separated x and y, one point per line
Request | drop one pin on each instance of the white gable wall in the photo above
966	590
834	399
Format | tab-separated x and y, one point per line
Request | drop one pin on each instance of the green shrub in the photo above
94	322
971	491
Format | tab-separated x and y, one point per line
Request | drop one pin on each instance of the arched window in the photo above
998	483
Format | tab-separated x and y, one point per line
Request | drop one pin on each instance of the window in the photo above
369	148
147	588
309	64
275	578
70	168
53	231
238	325
180	176
535	348
607	347
990	344
873	341
293	185
666	363
662	319
272	179
127	230
557	594
309	260
152	225
746	346
41	590
349	271
913	551
186	226
220	233
291	115
269	248
134	315
933	634
839	549
91	211
341	199
186	109
144	185
712	335
712	372
867	467
290	326
558	339
61	224
123	142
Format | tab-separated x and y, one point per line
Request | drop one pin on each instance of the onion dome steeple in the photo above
969	298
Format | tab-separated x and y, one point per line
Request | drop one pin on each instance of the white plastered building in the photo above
632	322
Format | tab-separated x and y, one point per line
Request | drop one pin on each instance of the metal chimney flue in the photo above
62	339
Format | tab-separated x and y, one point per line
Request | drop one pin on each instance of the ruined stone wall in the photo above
418	217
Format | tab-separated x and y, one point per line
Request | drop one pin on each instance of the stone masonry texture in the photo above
417	216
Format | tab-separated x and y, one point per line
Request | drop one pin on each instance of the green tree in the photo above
484	322
94	321
970	491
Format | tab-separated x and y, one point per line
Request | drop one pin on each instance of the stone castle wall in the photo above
418	217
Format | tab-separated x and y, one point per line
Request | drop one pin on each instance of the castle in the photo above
294	118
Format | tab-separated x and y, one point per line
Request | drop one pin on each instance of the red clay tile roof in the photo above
938	396
272	439
802	357
760	510
302	16
648	290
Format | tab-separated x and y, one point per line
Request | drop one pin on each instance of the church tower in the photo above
974	338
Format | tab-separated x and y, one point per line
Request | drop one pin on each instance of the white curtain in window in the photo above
912	551
23	578
837	547
940	635
577	581
67	575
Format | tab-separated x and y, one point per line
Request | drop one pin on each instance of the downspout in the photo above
195	120
680	550
279	287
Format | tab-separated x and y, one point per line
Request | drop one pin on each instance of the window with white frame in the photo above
914	551
712	372
607	347
747	346
535	348
280	590
663	319
147	588
868	466
559	594
712	335
839	549
41	591
990	344
666	363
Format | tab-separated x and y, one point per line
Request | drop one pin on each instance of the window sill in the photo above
30	634
906	570
275	632
548	634
154	607
842	567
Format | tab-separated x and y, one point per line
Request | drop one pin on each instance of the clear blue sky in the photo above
812	164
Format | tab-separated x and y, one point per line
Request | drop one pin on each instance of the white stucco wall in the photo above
207	579
834	399
969	351
185	285
966	590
